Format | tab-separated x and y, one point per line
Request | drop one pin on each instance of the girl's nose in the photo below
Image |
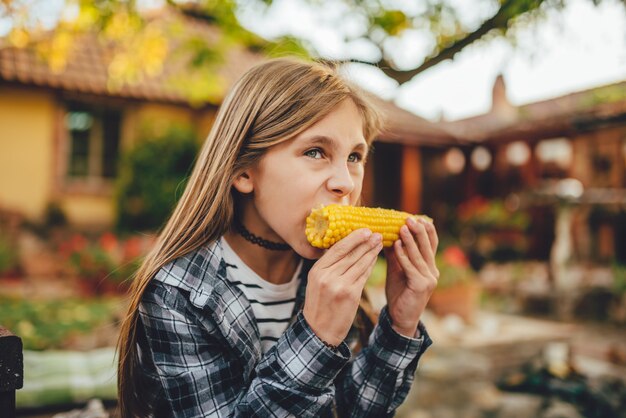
340	182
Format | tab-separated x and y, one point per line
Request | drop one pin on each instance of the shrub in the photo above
481	214
106	263
49	324
8	256
619	278
91	260
54	215
152	177
454	267
492	230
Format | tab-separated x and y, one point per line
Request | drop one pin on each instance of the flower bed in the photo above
105	263
61	324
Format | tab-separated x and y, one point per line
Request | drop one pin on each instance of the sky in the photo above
579	48
582	47
588	50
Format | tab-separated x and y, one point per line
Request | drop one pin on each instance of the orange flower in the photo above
77	242
454	256
108	242
132	248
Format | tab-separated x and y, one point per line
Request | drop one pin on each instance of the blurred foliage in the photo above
491	230
49	324
602	95
8	255
481	213
379	273
454	267
54	216
105	263
91	260
619	278
153	175
141	44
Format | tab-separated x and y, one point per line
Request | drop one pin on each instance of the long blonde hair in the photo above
273	102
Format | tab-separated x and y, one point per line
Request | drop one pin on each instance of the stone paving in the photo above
456	377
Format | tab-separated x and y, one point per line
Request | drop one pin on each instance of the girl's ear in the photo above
243	183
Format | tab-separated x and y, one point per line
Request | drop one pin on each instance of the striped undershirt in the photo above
272	304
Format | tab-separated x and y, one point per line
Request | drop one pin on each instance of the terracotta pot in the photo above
461	299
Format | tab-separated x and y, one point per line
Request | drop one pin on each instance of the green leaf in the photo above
393	22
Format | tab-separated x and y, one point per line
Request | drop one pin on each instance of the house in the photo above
62	132
403	160
573	144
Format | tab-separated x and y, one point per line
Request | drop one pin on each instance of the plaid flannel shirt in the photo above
201	354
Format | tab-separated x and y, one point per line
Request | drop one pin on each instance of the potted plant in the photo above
493	229
458	290
104	264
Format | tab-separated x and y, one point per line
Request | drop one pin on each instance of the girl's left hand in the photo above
411	274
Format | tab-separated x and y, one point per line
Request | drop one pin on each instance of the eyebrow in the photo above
331	143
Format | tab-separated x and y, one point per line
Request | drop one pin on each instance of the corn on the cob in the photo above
327	225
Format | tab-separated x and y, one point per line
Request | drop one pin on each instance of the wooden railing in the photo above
11	371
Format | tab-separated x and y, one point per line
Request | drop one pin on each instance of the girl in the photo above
234	313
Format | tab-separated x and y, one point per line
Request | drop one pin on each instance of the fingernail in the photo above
411	221
376	238
367	233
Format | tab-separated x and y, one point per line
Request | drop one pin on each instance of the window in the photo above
555	156
94	137
557	150
454	161
518	153
481	158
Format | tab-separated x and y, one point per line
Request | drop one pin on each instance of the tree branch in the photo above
508	10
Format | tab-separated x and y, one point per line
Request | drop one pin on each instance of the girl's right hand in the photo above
335	284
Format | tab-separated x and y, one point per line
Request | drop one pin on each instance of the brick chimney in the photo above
500	105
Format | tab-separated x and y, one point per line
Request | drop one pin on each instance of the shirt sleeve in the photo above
378	379
202	377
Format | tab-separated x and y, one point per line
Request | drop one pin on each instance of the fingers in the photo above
427	248
363	268
432	236
403	258
420	242
354	265
344	247
412	252
354	255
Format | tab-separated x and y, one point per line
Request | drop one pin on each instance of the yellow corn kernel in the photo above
327	225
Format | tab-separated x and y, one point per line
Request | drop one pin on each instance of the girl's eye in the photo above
358	157
313	153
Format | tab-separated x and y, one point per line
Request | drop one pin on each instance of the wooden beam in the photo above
411	198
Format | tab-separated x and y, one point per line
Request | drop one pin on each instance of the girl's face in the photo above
322	165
